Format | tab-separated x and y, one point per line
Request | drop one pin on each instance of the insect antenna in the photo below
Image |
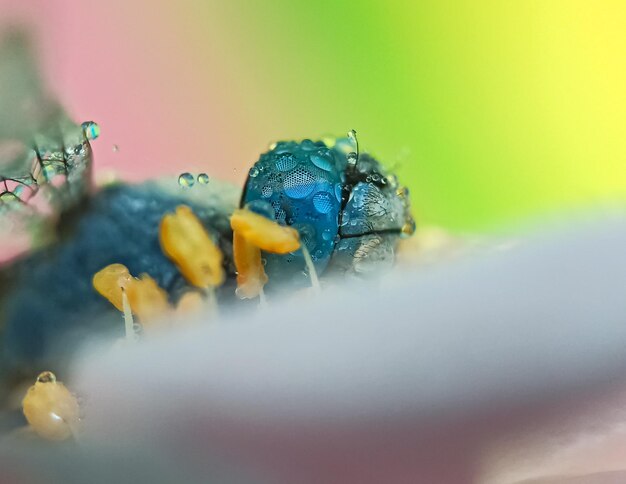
353	156
315	282
211	301
129	325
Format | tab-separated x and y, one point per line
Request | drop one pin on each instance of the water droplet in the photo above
203	179
254	171
186	180
285	161
91	129
352	159
327	234
323	160
323	202
408	228
338	190
308	145
299	183
375	178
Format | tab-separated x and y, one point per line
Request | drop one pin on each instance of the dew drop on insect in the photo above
338	191
307	145
323	202
323	160
327	234
352	159
91	129
254	171
408	228
186	180
299	183
286	161
203	179
47	377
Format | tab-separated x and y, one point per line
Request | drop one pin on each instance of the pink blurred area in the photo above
131	67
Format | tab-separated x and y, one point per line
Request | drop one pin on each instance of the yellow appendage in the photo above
110	283
186	242
251	275
51	409
251	234
147	300
264	233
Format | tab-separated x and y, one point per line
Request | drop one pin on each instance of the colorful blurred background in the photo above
494	112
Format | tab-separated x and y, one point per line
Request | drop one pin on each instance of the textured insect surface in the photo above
120	258
347	218
348	211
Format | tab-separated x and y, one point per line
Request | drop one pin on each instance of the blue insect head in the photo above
348	211
298	184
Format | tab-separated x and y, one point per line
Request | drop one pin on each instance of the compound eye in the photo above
298	181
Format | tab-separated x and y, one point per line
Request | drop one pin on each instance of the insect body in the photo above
343	211
349	216
348	211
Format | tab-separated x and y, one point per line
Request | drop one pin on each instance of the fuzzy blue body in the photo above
349	219
49	303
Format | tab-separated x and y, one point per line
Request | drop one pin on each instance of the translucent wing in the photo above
45	158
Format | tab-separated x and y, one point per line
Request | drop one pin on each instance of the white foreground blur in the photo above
413	377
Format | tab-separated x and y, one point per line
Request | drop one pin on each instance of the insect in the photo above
347	209
347	213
